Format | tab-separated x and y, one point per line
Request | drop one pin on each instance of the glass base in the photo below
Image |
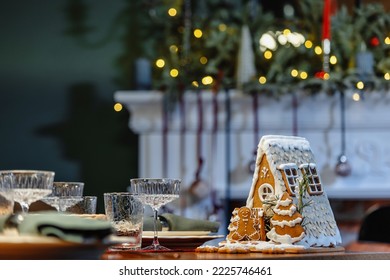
156	247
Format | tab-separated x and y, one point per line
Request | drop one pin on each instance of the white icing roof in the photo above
319	223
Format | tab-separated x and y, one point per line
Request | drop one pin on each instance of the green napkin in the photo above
180	223
65	227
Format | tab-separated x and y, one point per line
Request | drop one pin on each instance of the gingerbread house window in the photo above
290	176
265	191
310	171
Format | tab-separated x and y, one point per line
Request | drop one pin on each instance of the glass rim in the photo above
155	179
120	193
27	171
65	182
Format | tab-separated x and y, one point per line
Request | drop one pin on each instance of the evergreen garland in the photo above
158	35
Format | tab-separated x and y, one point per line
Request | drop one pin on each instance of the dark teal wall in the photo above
56	98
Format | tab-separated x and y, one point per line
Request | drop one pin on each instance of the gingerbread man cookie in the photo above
244	226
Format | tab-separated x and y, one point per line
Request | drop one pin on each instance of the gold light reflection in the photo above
356	97
173	48
333	59
308	44
172	12
198	33
118	107
222	27
294	73
208	80
303	75
160	63
203	60
262	80
267	54
318	50
174	73
326	76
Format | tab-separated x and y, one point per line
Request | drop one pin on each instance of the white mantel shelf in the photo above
367	135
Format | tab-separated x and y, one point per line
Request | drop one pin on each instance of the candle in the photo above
326	35
326	20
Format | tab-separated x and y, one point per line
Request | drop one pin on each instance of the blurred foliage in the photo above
147	30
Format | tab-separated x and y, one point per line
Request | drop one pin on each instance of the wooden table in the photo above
191	255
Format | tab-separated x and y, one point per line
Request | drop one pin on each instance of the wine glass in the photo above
65	195
6	194
156	193
30	185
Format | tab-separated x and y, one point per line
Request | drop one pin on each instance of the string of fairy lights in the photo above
190	50
268	44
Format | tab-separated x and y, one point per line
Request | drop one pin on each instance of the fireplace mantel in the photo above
318	119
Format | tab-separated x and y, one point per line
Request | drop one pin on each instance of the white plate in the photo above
177	233
181	240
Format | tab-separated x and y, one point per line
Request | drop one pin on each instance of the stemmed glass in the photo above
65	195
30	185
6	194
156	193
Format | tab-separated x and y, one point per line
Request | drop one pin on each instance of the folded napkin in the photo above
65	227
180	223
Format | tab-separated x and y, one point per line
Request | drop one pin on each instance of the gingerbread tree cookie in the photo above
286	222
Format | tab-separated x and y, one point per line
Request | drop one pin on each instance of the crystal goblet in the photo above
30	185
6	194
65	195
156	193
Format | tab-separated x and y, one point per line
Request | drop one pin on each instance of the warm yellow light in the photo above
308	44
294	73
198	33
160	63
333	59
222	27
387	40
356	96
118	107
318	50
286	32
174	73
203	60
387	76
360	85
326	76
172	12
173	48
267	54
262	80
303	75
195	83
208	80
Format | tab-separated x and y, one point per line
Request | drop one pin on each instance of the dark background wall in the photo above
56	98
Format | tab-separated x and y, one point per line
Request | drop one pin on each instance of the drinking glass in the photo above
85	206
65	195
30	185
156	193
126	214
6	194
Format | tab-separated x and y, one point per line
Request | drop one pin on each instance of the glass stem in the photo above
155	237
25	207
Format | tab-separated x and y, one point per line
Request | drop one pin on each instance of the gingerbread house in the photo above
282	163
